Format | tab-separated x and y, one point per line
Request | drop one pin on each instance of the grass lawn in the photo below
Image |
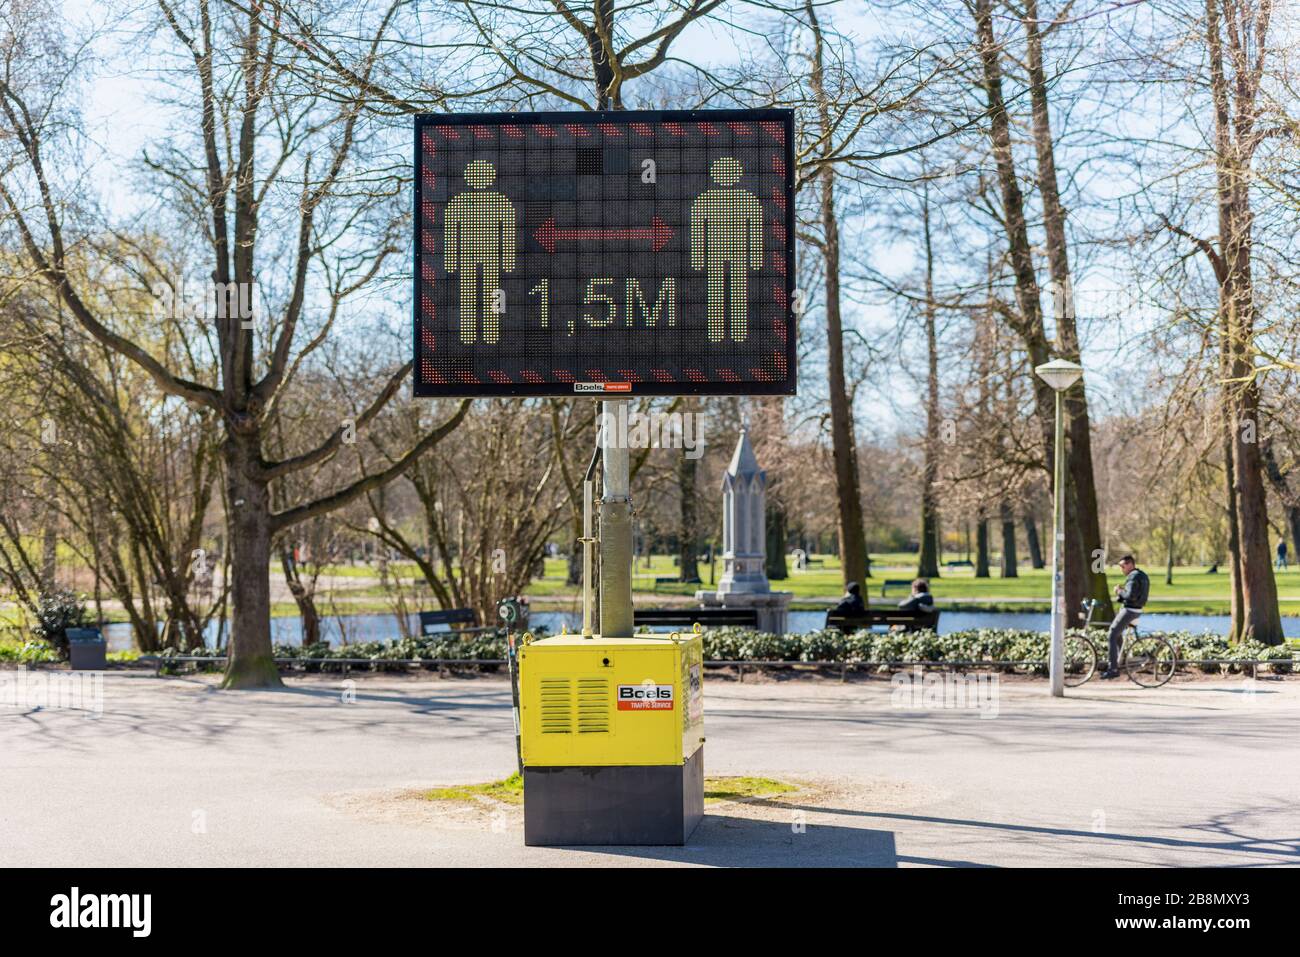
1193	591
509	790
716	789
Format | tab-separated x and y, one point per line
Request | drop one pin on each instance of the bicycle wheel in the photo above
1150	661
1080	660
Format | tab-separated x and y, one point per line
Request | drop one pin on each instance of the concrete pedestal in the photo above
653	804
773	607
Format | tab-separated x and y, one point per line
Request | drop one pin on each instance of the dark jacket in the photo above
850	605
922	602
1136	590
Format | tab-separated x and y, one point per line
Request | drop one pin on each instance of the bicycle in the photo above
1148	660
1080	662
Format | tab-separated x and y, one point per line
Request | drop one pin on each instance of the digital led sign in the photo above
624	252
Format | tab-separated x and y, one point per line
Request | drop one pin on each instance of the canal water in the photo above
288	631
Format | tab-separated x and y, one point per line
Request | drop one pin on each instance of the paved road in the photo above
174	773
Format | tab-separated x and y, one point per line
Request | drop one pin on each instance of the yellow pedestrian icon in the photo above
480	245
727	242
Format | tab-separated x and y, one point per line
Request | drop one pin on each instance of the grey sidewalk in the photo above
174	773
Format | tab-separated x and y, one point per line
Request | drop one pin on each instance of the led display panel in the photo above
622	252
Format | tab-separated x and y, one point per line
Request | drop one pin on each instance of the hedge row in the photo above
979	644
488	647
1003	645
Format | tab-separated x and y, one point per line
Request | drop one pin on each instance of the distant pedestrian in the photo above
1132	595
1281	555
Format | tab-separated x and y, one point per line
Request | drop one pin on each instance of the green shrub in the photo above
824	645
732	643
28	652
59	610
168	668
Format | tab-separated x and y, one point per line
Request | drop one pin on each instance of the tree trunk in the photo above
573	566
853	544
1027	318
1293	520
982	546
1008	540
927	565
49	552
1235	139
250	663
1289	499
182	624
1169	545
1234	531
1085	577
302	597
776	533
50	539
608	95
688	534
1260	615
1031	539
852	536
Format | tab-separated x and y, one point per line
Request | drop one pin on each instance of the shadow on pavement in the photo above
725	841
1229	828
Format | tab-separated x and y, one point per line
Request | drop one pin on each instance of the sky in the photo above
123	124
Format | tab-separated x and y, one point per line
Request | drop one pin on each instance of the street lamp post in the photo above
1060	374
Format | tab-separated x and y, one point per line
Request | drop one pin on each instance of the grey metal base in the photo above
87	649
617	805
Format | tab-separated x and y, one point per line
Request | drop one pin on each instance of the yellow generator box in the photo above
601	702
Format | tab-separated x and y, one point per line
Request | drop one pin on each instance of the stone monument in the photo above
744	581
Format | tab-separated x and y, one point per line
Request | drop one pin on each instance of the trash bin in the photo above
87	649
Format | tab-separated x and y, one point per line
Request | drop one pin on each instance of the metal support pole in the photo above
1056	663
588	544
615	524
512	662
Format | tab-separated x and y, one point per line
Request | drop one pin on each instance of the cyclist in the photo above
1132	595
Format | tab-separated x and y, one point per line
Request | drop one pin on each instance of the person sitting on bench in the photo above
851	604
921	602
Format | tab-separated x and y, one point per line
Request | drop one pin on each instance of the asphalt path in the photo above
173	772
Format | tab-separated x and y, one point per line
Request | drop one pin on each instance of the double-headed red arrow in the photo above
658	232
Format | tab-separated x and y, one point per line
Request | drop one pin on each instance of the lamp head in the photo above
1060	374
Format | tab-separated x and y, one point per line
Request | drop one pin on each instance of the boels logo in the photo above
645	697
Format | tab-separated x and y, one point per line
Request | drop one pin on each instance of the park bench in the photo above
675	580
889	617
889	583
960	563
451	617
686	617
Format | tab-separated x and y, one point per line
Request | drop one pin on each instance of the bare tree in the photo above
254	126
